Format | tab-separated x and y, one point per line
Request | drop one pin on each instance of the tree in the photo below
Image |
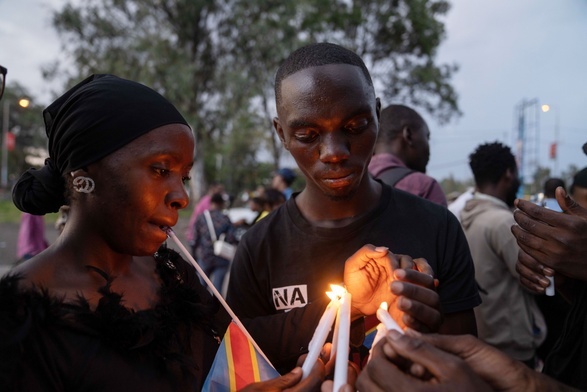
26	124
215	59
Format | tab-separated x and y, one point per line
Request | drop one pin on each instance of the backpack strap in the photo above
393	175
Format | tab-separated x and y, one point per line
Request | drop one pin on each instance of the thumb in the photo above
568	205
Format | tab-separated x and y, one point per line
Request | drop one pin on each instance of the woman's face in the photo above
140	188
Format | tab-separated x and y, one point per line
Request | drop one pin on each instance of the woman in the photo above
106	307
213	218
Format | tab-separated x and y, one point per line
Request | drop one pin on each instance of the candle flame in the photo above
383	305
336	293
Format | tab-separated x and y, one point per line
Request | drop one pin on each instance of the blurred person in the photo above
62	218
107	307
214	266
555	244
508	318
282	181
344	226
202	205
549	200
456	207
31	237
402	152
579	188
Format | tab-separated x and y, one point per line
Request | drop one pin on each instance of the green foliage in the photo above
27	126
215	60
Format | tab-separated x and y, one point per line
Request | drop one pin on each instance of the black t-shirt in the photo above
284	266
49	345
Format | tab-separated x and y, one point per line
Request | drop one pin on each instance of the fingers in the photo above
406	262
310	383
328	385
423	266
569	205
418	300
532	273
533	245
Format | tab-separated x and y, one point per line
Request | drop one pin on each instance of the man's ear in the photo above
279	131
407	135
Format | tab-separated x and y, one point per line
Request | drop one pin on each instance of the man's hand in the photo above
374	275
550	241
291	381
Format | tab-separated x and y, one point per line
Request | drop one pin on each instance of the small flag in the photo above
237	364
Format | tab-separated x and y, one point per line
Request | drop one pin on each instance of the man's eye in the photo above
306	137
358	126
161	171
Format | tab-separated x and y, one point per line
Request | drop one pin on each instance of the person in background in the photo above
62	218
402	152
549	200
31	237
202	205
456	207
282	181
508	318
579	188
214	266
344	226
108	307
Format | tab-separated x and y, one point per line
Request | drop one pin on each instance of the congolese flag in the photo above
237	364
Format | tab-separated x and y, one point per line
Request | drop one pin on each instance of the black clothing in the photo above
47	344
567	361
284	266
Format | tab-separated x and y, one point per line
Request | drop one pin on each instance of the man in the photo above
508	318
282	180
402	153
579	188
328	119
202	205
549	201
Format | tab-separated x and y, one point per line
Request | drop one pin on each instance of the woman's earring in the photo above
83	184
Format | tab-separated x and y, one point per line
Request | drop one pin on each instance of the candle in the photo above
381	331
342	342
550	288
335	336
384	316
321	333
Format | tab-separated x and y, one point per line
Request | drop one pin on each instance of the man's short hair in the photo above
393	120
490	161
580	179
550	186
314	55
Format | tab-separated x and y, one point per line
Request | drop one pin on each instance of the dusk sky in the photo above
507	51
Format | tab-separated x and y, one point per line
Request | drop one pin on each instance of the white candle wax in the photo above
342	343
550	289
381	331
335	335
384	316
319	337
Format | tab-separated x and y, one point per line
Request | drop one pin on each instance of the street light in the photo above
554	146
24	103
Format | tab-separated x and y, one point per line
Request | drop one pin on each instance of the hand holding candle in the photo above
385	318
322	330
342	342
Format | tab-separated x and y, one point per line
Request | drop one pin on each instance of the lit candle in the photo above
321	333
342	342
384	316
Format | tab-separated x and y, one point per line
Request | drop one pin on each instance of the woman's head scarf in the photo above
98	116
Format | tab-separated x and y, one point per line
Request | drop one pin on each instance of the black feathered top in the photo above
49	345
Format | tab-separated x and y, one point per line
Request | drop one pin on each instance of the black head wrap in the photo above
98	116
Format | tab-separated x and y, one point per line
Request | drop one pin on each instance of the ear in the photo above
279	131
378	109
407	135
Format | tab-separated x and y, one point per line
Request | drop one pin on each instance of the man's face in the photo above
328	120
419	154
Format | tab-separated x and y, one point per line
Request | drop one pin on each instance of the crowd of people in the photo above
108	306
